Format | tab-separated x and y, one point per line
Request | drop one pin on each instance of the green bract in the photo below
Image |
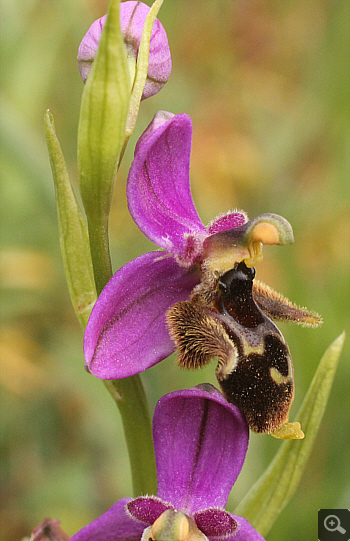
73	233
103	114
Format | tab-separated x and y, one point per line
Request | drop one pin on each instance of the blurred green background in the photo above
266	83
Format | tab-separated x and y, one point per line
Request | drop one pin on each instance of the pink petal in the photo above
127	331
158	190
245	531
231	220
114	525
200	443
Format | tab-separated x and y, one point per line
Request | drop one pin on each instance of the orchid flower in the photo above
200	444
128	330
132	19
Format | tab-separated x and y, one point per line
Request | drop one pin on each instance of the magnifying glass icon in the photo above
332	524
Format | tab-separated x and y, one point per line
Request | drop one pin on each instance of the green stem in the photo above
128	393
100	255
103	114
132	403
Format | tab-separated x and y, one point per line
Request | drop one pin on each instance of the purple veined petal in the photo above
231	220
245	531
158	189
114	525
200	445
127	331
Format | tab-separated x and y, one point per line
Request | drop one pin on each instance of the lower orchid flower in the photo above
200	444
199	294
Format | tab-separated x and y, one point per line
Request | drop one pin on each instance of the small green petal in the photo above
72	231
101	134
271	493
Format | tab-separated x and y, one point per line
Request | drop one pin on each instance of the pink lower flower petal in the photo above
200	444
245	531
127	331
114	525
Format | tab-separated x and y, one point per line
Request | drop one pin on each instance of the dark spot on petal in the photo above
147	509
215	523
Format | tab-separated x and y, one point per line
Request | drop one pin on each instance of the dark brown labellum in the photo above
254	368
260	380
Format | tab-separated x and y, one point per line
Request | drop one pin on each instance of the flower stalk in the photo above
131	400
128	393
84	242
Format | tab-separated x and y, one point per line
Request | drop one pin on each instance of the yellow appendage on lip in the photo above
289	431
263	233
266	233
255	249
226	248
